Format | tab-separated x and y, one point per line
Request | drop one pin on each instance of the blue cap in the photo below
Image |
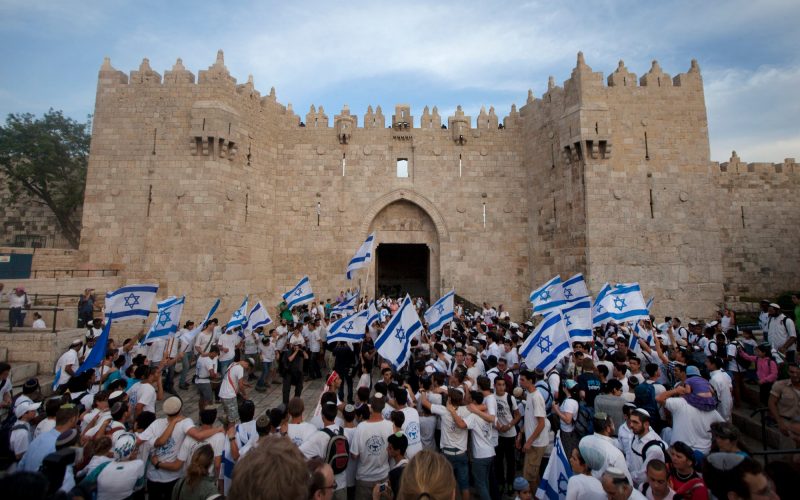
521	484
692	371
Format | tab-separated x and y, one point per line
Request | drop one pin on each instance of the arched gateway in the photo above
408	231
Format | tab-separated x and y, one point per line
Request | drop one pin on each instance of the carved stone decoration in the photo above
180	193
345	124
484	151
461	210
115	191
683	196
617	195
508	209
320	150
367	151
230	195
437	151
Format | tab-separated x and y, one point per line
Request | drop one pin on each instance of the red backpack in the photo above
337	453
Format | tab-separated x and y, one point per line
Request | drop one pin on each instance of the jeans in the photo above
223	367
266	366
186	363
505	461
313	365
481	467
15	317
346	379
292	379
460	469
160	491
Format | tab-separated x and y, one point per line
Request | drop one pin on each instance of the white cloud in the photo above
754	113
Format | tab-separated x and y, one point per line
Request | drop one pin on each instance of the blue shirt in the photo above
39	448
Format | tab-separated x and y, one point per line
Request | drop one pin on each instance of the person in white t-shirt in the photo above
206	371
583	485
507	418
410	427
298	430
21	432
145	394
481	429
567	413
690	425
369	448
166	436
38	322
537	429
316	445
454	433
67	365
120	478
190	445
234	382
227	343
266	352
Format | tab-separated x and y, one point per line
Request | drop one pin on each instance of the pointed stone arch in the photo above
408	195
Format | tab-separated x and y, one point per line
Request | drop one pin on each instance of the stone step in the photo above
20	372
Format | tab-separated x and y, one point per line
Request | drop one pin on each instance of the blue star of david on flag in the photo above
131	301
349	329
578	319
168	318
575	288
567	293
163	318
301	293
394	343
619	303
553	485
545	344
567	320
362	257
624	302
441	312
548	297
238	318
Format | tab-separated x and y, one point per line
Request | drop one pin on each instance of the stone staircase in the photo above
20	372
748	419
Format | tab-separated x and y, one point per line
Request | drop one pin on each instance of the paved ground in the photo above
263	400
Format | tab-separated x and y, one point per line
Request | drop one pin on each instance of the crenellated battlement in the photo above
735	165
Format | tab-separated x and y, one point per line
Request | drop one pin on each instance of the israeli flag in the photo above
258	317
347	306
98	352
374	314
625	303
394	343
441	312
300	294
190	335
599	312
575	288
168	318
578	320
362	257
633	344
549	297
553	485
130	302
349	329
649	304
239	318
547	345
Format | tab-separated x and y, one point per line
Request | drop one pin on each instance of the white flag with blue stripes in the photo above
238	318
549	297
575	288
440	313
553	485
349	329
625	303
362	257
130	302
168	319
374	313
300	294
347	306
547	345
578	320
258	317
599	312
394	343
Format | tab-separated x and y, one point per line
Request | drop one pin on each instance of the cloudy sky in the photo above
440	53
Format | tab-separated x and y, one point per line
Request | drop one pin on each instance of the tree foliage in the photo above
46	159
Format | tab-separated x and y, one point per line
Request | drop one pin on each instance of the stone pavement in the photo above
263	400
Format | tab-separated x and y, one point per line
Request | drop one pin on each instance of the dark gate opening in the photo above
403	268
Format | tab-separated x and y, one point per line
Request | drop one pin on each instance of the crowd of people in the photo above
641	411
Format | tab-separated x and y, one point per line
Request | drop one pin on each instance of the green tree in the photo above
46	159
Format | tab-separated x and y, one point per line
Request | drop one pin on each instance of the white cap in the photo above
25	407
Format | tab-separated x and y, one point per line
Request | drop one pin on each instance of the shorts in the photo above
231	408
204	391
533	460
460	469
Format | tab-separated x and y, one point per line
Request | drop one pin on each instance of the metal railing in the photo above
72	273
54	309
766	453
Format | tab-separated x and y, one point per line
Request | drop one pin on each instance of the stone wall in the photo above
28	222
213	190
758	218
43	348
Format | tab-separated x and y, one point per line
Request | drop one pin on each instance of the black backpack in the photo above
337	453
9	425
584	421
